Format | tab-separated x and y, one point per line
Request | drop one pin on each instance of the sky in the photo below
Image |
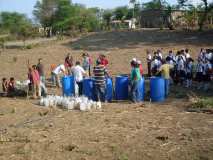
26	6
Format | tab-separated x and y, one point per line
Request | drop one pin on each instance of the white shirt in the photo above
208	56
206	67
189	67
59	69
200	67
78	72
160	55
187	55
149	57
180	65
156	63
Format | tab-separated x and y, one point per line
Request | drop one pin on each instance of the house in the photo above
156	18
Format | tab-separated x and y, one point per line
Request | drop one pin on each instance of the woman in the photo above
68	62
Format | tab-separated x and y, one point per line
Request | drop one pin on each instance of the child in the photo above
189	74
35	80
199	73
11	90
4	85
181	69
207	74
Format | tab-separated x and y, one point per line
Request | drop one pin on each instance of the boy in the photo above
4	85
189	73
207	74
199	73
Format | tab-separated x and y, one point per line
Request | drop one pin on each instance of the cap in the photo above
138	62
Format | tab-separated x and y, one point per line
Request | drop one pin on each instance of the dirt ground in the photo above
120	131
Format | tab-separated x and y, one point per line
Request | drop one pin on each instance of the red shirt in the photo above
104	62
141	69
11	87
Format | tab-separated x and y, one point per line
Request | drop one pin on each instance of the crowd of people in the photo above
179	68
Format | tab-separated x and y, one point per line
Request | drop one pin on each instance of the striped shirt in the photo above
99	75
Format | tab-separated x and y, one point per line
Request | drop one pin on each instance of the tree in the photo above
206	8
133	2
14	22
121	12
155	4
44	12
63	16
107	15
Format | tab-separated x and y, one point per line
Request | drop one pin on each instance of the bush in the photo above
203	103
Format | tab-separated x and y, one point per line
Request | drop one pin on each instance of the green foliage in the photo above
155	4
203	103
107	18
191	17
205	7
121	12
63	16
13	22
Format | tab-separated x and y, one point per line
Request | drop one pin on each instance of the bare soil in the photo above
120	131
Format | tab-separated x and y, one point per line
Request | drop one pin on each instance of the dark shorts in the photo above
199	76
181	74
189	76
206	78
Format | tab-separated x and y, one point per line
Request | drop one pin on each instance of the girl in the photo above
4	85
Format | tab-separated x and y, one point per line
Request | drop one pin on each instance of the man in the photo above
99	72
58	70
86	63
135	80
40	68
165	73
78	72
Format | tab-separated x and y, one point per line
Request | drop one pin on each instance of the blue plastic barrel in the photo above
142	89
109	89
68	85
88	88
121	87
157	89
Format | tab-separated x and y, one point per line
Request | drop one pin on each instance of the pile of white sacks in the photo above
70	103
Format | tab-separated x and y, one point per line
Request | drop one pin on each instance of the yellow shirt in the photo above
165	70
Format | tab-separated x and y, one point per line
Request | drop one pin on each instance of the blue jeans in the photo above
167	83
99	93
53	78
135	93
